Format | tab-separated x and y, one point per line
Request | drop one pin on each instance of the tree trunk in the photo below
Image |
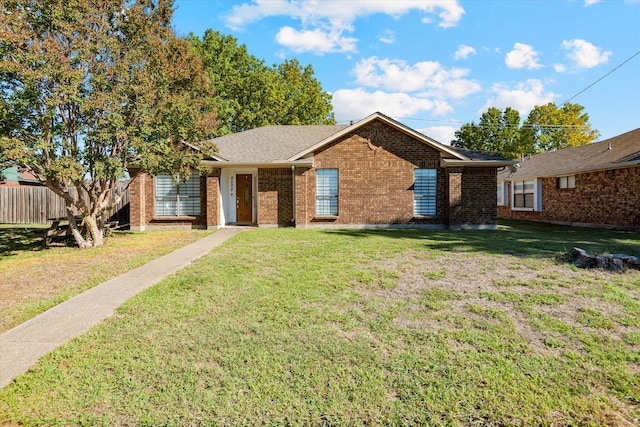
93	236
94	230
77	233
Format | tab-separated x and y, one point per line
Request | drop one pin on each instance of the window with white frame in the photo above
424	192
326	192
566	181
501	193
524	194
177	199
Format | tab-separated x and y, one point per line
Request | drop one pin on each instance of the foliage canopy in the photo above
250	94
90	89
548	127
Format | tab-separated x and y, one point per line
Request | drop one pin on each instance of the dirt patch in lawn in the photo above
528	291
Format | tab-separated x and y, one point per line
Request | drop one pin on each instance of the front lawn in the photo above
404	327
34	278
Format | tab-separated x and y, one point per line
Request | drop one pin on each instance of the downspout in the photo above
293	193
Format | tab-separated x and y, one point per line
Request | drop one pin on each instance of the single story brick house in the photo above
374	173
595	185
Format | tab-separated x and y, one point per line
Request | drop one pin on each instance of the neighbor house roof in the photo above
617	152
295	144
14	176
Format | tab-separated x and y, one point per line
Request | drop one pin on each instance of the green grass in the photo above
34	278
307	327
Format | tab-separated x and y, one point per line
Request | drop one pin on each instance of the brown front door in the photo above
244	195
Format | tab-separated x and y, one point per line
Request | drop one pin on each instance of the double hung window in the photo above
327	192
566	182
177	199
523	194
424	192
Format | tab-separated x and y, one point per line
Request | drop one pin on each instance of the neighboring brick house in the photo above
596	184
374	173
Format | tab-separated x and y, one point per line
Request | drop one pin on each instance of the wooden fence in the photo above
34	205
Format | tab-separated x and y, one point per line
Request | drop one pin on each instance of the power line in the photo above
494	125
542	126
601	78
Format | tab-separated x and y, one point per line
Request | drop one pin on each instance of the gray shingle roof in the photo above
605	154
476	155
271	143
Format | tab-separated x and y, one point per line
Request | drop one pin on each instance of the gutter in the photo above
477	163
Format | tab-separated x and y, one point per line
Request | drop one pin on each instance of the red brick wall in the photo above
142	204
305	195
275	197
136	199
604	198
212	198
375	178
479	197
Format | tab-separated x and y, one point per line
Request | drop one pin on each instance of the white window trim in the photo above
537	196
502	194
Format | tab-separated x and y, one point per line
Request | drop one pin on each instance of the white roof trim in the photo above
393	123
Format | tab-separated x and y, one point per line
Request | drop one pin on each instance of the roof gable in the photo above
448	151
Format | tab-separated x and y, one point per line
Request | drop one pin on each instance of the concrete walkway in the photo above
22	346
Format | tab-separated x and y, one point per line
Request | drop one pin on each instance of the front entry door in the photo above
244	197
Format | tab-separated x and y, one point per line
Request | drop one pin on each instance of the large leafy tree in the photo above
250	94
549	127
244	85
305	103
497	133
90	88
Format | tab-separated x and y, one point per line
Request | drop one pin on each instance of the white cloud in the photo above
591	2
317	41
442	134
336	19
355	104
463	52
560	68
388	37
523	97
522	56
449	11
585	54
429	77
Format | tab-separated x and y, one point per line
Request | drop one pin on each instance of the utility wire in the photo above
542	126
601	78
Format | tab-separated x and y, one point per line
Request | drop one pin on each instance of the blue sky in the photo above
437	64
